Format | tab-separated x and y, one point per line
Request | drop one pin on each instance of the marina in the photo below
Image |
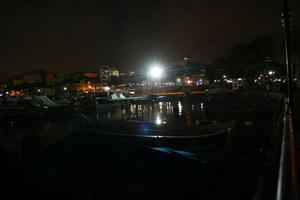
184	126
150	100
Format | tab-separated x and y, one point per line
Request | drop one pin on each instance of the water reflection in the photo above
158	120
20	135
169	108
144	128
179	108
156	112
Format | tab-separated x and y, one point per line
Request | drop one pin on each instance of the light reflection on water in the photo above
179	108
159	112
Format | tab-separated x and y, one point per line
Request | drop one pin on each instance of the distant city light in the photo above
65	88
106	89
186	58
156	71
271	72
189	81
39	90
224	76
200	82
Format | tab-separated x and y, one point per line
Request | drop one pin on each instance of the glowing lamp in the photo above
156	71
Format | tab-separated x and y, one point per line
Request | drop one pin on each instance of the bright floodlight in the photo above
156	71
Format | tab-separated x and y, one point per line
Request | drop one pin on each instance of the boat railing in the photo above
287	185
215	140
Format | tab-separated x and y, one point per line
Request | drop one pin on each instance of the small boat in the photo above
185	137
106	104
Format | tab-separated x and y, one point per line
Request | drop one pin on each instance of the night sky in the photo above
58	35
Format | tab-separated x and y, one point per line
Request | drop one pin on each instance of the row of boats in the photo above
19	107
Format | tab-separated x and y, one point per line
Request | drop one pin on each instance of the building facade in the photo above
105	74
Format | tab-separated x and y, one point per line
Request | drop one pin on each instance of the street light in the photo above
156	71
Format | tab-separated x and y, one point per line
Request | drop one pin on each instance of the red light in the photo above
185	58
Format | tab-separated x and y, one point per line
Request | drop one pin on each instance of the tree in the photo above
115	81
247	60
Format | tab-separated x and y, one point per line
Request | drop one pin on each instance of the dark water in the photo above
245	155
49	130
160	112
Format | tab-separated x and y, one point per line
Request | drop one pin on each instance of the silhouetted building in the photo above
38	76
105	74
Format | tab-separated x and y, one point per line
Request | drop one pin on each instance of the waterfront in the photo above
159	112
90	142
183	113
51	129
